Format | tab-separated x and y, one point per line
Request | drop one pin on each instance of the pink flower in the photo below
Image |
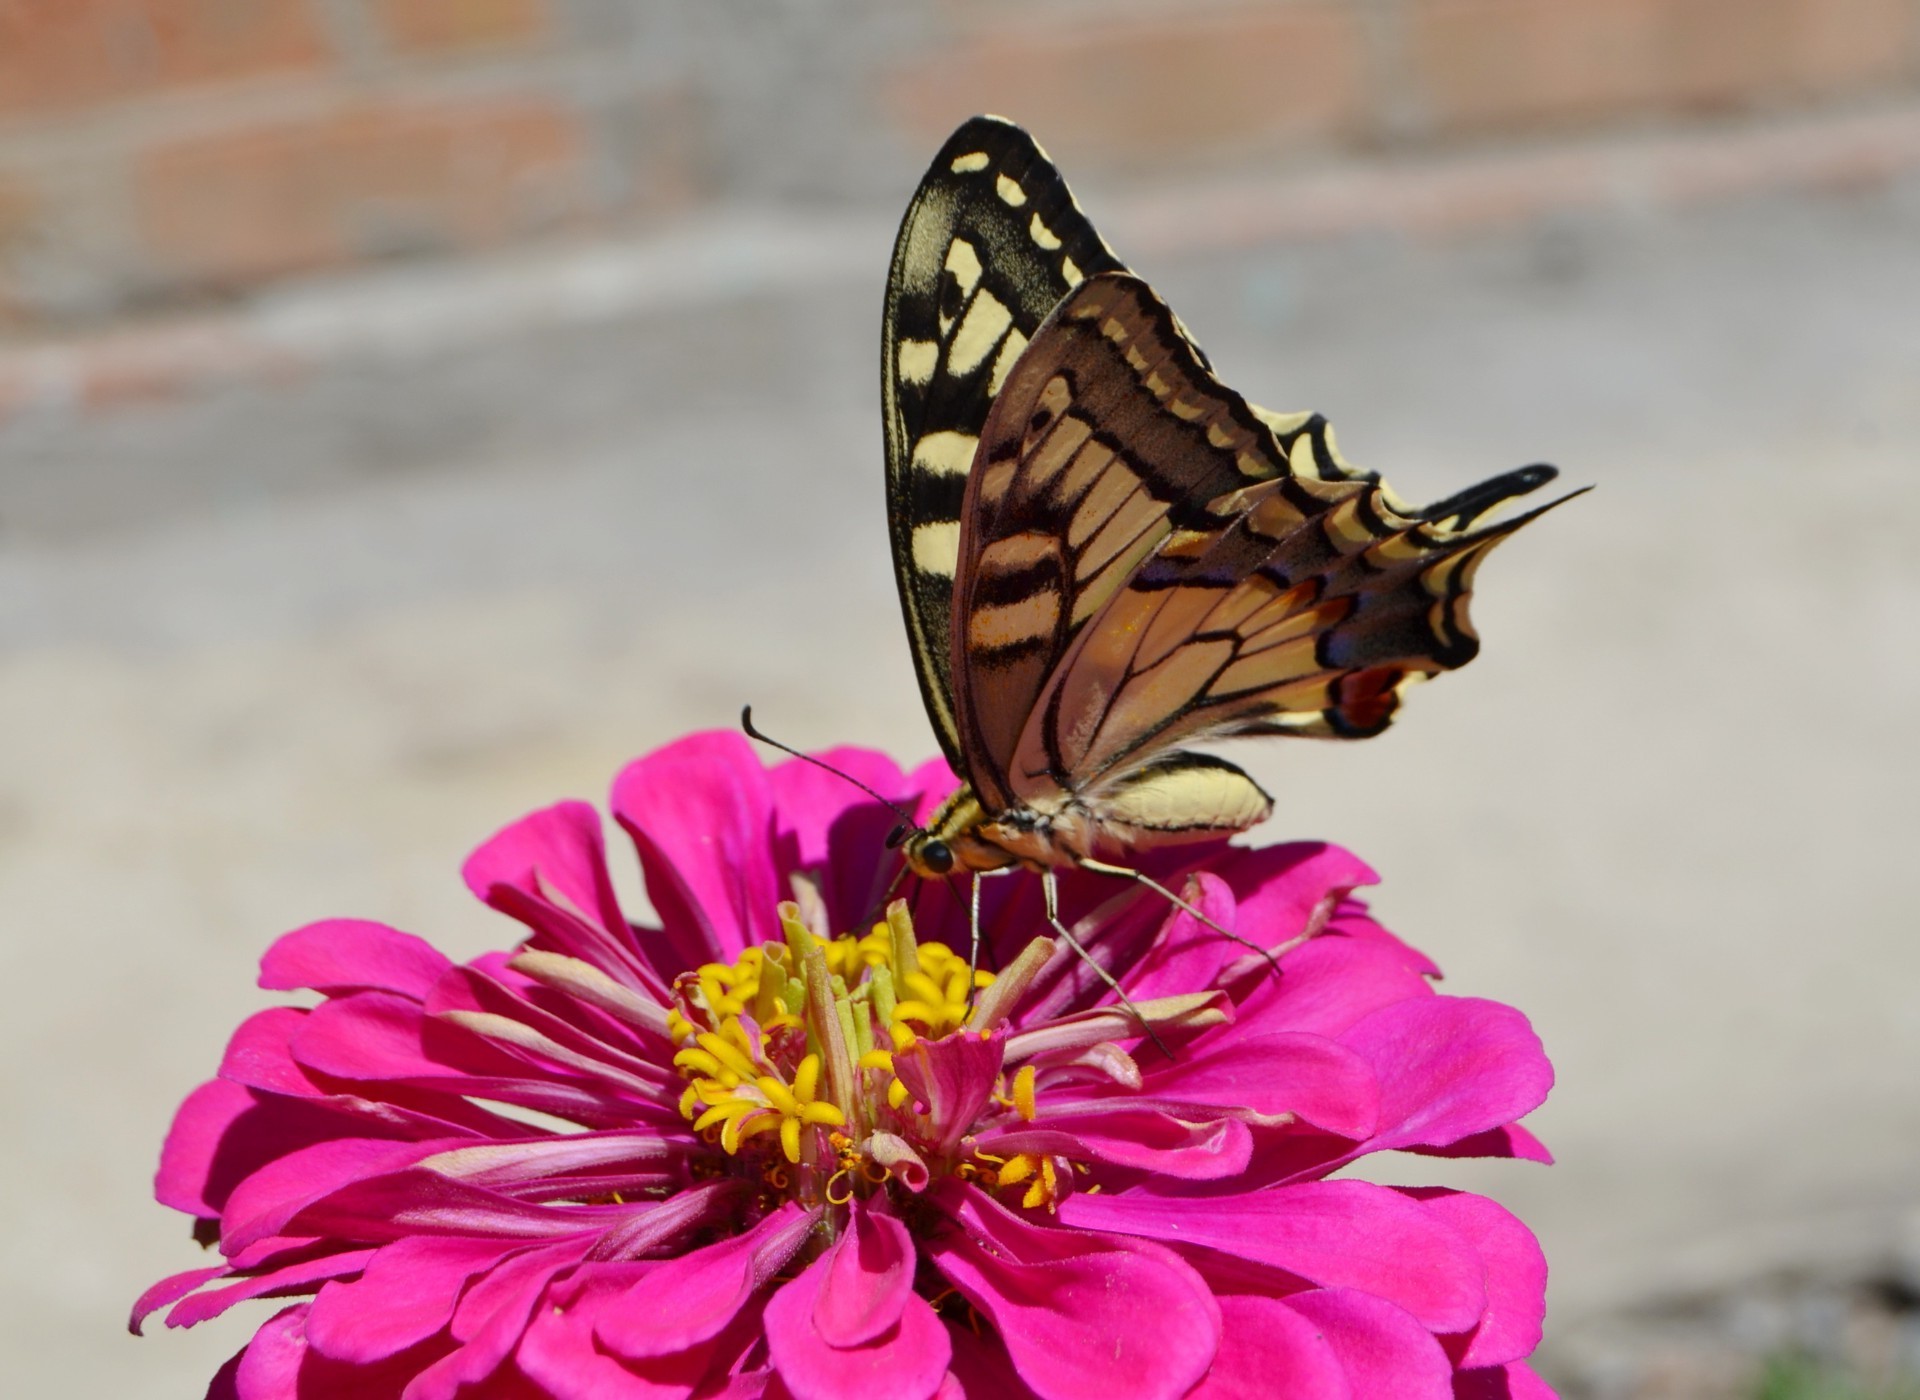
738	1155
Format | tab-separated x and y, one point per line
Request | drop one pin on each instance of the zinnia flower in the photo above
779	1146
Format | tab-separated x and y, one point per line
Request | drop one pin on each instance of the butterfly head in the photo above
927	854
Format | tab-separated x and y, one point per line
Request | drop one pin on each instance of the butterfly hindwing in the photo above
1150	561
990	244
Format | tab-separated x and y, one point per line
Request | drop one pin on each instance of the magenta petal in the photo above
1325	987
1510	1140
403	1296
1136	1138
1080	1314
691	1299
1384	1352
868	1280
560	1350
953	1077
1513	1381
1268	1350
1516	1273
299	1276
263	1204
1450	1067
170	1289
553	855
347	955
699	813
490	1320
1315	1079
1338	1234
186	1178
1187	955
269	1368
835	833
906	1359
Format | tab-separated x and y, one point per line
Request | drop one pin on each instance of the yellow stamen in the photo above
1023	1093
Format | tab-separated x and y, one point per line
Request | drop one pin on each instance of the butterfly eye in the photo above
937	856
896	836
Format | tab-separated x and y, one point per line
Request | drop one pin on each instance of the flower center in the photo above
789	1053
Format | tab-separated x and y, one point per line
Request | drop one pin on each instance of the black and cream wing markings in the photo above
1148	560
990	244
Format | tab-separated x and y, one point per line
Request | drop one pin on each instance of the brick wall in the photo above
159	150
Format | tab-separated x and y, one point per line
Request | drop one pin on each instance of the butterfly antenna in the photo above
746	723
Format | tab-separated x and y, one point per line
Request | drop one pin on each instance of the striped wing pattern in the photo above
1150	560
990	244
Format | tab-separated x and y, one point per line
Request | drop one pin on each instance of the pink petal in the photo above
259	1054
168	1290
1516	1273
828	828
337	956
1325	987
1338	1234
263	1204
222	1134
1450	1067
907	1358
490	1320
981	1370
1187	956
556	854
1269	1350
1352	920
1511	1140
560	1352
1080	1314
1131	1137
1513	1381
300	1276
691	1299
404	1295
1313	1078
953	1077
868	1280
1384	1352
700	813
394	1205
270	1366
1279	888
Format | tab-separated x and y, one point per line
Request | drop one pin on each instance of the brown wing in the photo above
1151	560
1088	458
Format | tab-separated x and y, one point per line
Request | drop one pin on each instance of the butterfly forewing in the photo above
990	244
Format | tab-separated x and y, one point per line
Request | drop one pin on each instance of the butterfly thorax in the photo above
963	835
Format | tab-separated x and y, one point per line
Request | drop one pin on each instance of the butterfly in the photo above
1105	555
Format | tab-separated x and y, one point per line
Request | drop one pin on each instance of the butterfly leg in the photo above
1049	886
1142	878
973	928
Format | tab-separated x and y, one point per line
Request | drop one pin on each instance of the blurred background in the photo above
412	409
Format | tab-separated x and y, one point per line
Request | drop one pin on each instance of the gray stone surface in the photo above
289	650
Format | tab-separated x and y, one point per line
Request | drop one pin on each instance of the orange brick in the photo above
1131	92
19	228
433	25
57	54
1477	63
1744	52
1486	63
366	182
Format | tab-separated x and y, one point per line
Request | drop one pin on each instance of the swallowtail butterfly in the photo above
1104	554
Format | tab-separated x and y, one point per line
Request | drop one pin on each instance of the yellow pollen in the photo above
1023	1093
759	1067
